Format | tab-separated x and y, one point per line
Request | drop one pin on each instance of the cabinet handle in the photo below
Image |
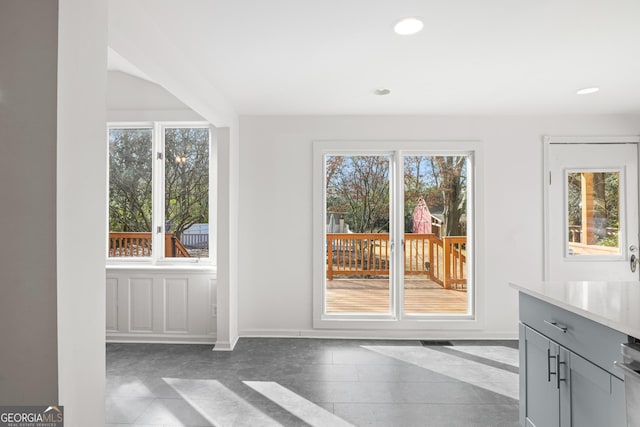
561	328
549	373
558	379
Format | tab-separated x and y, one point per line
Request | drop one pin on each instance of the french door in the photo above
396	234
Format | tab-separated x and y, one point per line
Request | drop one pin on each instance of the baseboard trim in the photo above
160	339
309	333
226	345
382	335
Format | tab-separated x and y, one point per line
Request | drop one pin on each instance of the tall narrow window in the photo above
130	192
159	192
186	192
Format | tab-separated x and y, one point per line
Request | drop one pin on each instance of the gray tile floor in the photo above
301	382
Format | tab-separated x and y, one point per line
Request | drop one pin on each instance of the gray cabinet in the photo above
591	396
558	386
542	404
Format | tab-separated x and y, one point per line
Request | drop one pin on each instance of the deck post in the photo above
329	258
431	264
446	284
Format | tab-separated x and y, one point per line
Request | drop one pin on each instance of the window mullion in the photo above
158	192
398	234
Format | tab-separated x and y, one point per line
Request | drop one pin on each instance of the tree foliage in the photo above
453	188
358	189
186	179
130	176
606	204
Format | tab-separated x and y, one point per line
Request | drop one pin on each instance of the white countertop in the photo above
614	304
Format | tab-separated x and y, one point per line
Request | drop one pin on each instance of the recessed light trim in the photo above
382	92
587	90
408	26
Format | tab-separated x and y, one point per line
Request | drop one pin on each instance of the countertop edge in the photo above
621	327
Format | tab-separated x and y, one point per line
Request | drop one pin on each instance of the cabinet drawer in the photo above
595	342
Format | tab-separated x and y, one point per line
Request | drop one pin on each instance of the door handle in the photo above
633	261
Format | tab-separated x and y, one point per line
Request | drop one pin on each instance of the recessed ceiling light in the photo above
382	92
587	90
408	26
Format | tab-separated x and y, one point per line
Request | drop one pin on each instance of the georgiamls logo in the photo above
31	416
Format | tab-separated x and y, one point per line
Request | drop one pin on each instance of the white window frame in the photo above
474	320
158	201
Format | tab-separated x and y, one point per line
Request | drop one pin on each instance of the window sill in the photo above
165	267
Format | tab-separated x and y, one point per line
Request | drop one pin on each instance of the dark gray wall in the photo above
28	86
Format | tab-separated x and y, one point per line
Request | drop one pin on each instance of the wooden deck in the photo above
422	296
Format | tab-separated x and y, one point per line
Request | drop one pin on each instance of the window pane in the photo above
357	237
593	213
435	239
130	192
187	192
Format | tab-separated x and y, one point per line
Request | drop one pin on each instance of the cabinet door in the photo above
539	392
590	396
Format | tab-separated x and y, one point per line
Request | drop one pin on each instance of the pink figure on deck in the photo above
421	218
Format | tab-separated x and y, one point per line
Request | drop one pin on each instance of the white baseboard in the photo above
161	339
383	335
309	333
226	345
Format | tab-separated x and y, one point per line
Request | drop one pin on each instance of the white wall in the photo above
81	216
275	287
133	99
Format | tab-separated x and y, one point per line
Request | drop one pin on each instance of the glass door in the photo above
435	272
357	239
395	235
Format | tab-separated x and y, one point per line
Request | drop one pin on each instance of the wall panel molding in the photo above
141	304
164	305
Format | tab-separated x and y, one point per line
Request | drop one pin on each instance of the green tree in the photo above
453	186
186	179
358	188
130	175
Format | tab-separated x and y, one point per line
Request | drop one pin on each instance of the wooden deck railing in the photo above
130	244
441	260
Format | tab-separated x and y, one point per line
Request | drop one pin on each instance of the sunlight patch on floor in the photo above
478	374
307	411
218	404
501	354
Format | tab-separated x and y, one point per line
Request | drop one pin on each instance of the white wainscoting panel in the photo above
112	305
176	295
161	304
213	303
141	305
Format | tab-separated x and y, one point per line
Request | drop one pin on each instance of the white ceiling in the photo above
473	57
